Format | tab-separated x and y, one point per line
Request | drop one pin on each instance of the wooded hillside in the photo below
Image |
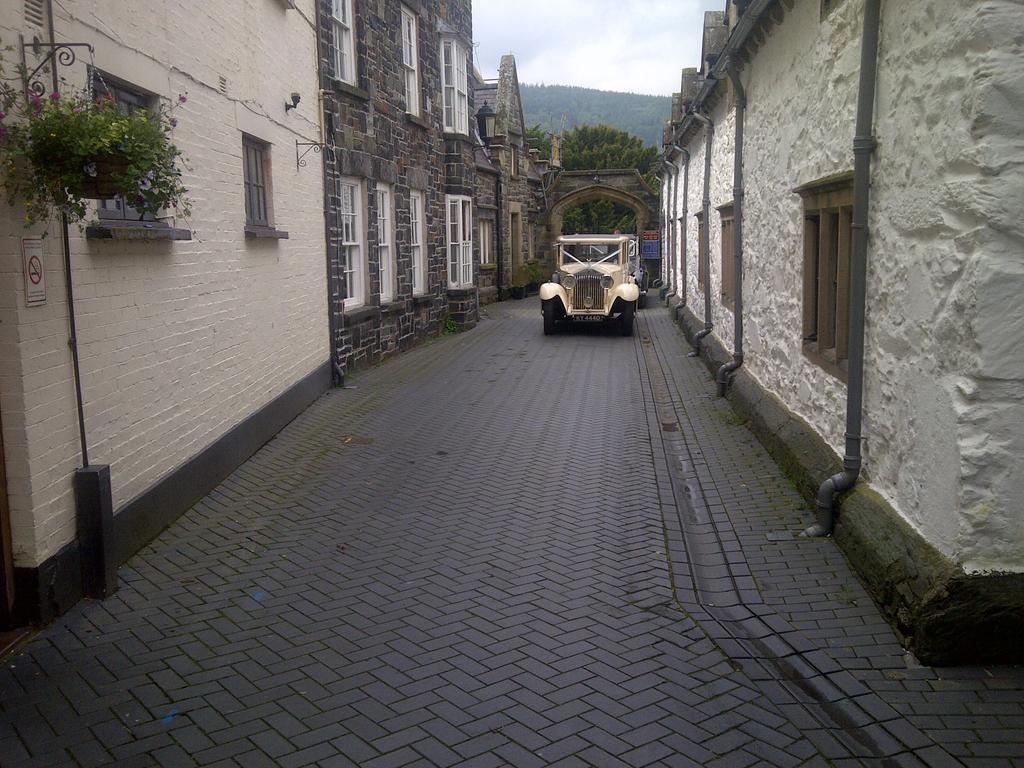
640	115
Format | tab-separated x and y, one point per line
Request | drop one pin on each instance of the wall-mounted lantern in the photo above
485	123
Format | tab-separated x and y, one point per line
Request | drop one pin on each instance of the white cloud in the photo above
615	45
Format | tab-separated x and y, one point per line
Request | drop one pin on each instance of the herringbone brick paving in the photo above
501	549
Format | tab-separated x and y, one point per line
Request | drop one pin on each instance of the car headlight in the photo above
607	282
556	277
568	282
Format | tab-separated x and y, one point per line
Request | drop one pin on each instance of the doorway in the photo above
516	241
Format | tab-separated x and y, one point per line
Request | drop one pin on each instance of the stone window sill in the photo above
448	136
488	267
423	299
417	120
358	315
136	230
253	232
825	361
395	305
340	86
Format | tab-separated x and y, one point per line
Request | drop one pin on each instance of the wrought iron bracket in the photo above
59	54
310	146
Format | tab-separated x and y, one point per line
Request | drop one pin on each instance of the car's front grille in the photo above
588	295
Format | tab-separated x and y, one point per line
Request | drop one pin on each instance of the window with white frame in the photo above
344	46
410	62
453	74
486	236
416	249
385	244
460	241
350	214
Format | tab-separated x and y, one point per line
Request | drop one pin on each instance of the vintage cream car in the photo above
594	281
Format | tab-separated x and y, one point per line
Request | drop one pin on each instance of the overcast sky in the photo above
615	45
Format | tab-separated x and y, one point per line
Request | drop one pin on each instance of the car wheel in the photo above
550	323
626	320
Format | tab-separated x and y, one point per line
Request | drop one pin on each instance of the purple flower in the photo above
55	96
36	102
182	98
77	110
3	115
174	122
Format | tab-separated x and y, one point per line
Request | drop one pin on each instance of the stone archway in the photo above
570	188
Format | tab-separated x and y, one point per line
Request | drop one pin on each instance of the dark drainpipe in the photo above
863	145
725	372
499	220
69	284
709	128
327	136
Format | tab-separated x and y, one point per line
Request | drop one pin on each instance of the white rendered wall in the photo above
944	401
721	183
179	342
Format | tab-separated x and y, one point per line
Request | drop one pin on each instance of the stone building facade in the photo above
400	172
198	339
934	522
511	176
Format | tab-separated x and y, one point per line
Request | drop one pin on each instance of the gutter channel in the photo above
723	597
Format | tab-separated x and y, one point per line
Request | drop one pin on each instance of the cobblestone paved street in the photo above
501	549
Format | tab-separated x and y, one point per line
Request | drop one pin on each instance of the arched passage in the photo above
571	188
598	192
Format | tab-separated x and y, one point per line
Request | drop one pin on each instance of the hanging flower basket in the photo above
58	152
102	178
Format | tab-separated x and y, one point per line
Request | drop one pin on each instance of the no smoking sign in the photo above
35	276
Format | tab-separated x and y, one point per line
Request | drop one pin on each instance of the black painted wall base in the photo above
51	589
95	521
44	593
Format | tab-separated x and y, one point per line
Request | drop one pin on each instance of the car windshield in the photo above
592	253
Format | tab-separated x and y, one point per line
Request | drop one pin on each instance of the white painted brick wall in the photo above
178	341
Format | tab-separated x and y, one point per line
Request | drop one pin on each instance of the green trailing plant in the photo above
450	327
61	150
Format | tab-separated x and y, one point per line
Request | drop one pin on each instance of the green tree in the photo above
598	217
538	138
602	147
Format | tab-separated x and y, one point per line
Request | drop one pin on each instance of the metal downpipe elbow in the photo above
697	340
826	502
725	373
